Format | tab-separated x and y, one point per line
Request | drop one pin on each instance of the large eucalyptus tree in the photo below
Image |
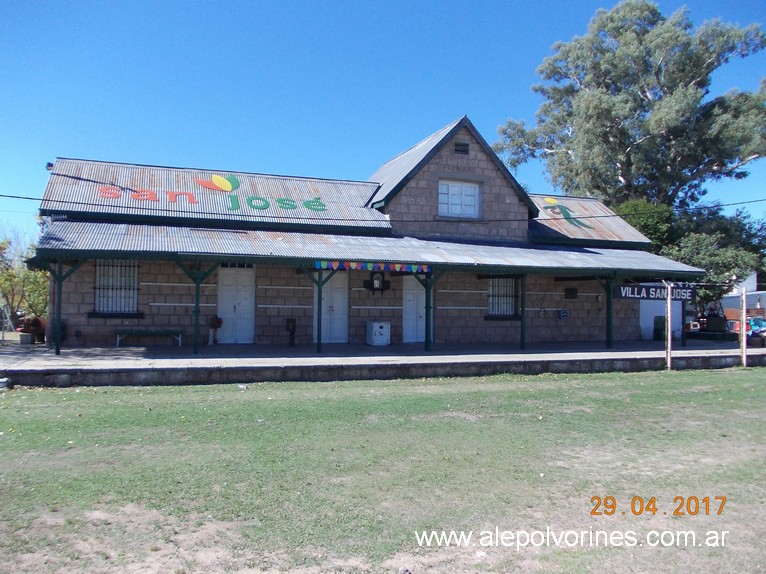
628	112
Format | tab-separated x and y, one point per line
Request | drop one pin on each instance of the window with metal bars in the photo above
503	297
116	286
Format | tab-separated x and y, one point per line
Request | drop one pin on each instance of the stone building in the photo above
441	245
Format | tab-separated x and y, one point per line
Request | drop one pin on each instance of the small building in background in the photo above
755	286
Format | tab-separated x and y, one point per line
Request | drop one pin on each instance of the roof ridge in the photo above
273	175
554	195
446	129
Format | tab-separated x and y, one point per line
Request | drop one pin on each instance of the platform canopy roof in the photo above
102	240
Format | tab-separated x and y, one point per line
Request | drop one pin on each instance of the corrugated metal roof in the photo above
579	218
396	172
93	240
106	189
398	169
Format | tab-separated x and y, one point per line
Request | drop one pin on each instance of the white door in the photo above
236	304
334	309
414	311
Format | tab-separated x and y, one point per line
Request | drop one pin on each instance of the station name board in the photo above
654	292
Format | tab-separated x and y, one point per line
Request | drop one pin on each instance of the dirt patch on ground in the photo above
136	540
130	539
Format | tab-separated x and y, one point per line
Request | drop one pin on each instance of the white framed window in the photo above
458	199
116	286
503	297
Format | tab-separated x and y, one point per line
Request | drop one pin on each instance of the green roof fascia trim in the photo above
576	242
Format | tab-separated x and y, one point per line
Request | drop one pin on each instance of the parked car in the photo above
757	327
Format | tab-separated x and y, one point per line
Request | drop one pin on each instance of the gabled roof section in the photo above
581	221
106	191
398	171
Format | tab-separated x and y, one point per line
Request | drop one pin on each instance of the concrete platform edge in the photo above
201	375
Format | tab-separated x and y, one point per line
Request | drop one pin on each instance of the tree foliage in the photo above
738	230
655	221
664	226
22	290
725	266
628	114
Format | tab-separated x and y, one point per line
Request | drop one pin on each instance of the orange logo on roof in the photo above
218	183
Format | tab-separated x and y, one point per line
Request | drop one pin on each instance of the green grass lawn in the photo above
338	477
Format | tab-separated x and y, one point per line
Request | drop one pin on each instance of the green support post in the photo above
429	285
523	342
196	274
609	312
59	291
607	285
59	276
428	282
197	295
320	282
320	287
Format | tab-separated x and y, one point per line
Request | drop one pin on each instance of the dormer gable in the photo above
398	171
452	185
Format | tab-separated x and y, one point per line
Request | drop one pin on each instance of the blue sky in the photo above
326	89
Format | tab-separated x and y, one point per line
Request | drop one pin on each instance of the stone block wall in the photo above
584	318
166	299
282	293
461	308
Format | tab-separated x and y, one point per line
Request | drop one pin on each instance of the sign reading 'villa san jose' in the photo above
654	292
